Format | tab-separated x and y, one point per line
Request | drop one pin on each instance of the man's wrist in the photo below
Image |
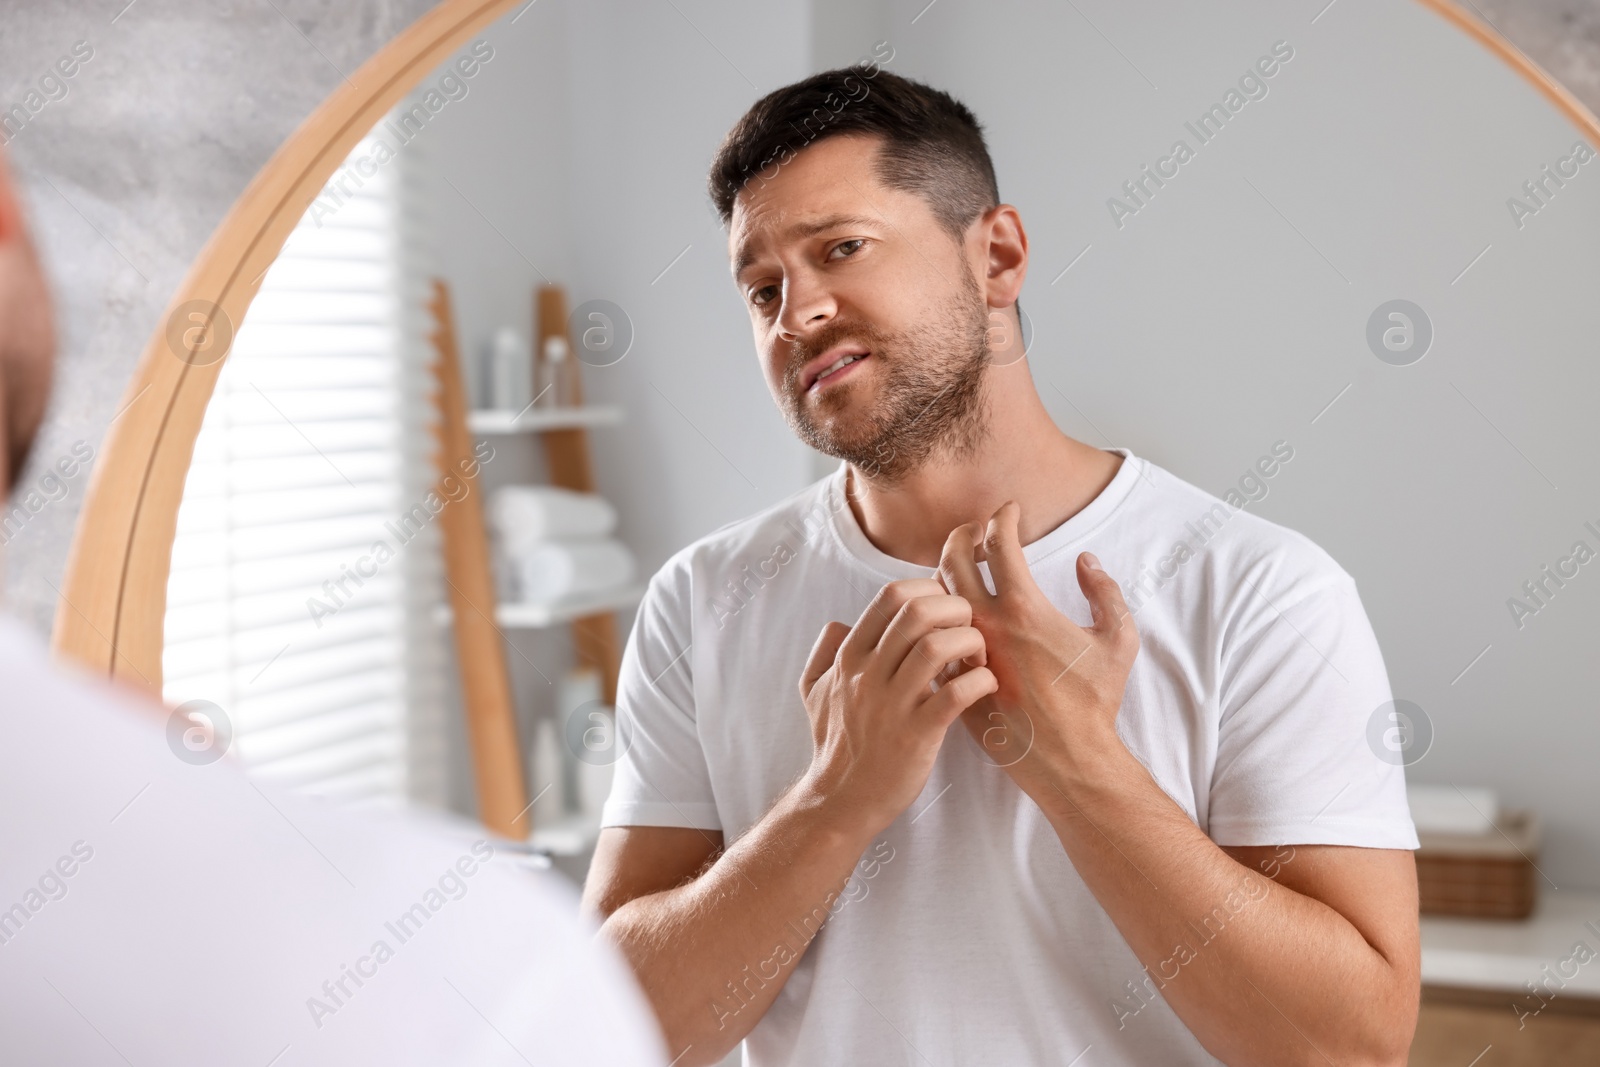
814	798
1094	764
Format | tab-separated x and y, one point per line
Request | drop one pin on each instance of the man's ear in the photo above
27	337
10	212
1005	255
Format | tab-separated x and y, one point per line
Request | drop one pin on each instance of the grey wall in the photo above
125	177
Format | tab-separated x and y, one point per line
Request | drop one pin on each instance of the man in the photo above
157	907
1152	839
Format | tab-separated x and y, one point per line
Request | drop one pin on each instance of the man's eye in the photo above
857	241
755	296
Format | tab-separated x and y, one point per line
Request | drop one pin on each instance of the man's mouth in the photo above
830	372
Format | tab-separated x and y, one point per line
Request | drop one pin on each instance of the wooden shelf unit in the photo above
487	422
474	612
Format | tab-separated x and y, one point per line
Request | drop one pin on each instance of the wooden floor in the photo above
1450	1035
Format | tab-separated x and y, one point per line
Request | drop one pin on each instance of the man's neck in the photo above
1024	457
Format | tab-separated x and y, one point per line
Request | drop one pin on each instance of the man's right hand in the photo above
876	723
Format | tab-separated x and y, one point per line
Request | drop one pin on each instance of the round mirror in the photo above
1335	266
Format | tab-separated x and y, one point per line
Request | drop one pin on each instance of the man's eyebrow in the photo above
746	256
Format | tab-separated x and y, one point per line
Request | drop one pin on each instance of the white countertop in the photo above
1502	954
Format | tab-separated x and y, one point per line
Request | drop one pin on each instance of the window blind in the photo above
322	651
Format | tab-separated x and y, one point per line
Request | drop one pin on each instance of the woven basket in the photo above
1485	876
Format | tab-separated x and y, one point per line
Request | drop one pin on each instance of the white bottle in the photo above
510	371
544	776
553	391
594	786
590	736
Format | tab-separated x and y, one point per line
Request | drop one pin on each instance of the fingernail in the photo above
1094	564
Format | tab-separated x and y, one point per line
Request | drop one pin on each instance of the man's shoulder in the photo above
79	751
1236	543
771	537
38	677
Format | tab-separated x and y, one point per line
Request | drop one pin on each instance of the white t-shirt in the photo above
965	936
156	911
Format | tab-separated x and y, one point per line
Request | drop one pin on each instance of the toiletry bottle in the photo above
487	393
511	371
545	774
555	390
589	729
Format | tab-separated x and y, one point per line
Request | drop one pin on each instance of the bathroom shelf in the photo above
535	616
1499	955
538	420
539	616
488	699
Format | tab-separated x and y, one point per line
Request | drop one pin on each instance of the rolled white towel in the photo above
525	513
1446	809
547	571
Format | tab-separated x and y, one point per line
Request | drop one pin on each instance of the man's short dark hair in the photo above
932	143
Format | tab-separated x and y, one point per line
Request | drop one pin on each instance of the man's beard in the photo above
931	398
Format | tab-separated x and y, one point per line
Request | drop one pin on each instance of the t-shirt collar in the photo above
1075	531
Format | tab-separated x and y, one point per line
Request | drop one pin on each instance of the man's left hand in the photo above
1061	685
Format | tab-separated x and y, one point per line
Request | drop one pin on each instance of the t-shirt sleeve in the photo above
1299	691
661	777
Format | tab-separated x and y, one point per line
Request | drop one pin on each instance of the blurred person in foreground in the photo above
158	907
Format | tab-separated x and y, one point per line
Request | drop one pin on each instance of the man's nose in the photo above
805	308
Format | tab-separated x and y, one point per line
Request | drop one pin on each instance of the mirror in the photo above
1358	240
1247	297
296	528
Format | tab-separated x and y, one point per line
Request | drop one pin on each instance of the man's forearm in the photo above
1260	973
713	954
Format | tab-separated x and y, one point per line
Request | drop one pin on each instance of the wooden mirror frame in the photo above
113	600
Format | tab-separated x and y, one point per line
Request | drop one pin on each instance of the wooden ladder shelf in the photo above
480	652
